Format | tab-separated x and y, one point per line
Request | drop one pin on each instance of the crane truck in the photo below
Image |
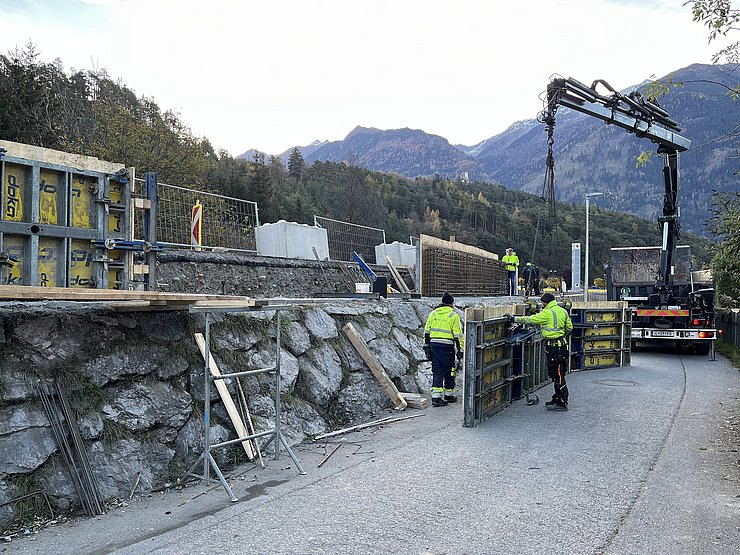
668	309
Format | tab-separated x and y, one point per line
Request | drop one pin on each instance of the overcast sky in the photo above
278	73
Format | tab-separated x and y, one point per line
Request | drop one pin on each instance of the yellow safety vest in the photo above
511	261
554	321
443	326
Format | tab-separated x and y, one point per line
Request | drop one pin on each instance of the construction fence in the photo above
345	237
226	222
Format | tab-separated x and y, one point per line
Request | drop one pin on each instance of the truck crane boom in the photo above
646	119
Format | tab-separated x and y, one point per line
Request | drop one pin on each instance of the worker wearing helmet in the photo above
531	275
512	265
443	341
556	326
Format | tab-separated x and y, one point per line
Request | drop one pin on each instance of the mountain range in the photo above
590	156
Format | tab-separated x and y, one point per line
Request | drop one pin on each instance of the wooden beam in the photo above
28	293
396	276
49	156
375	367
223	391
415	400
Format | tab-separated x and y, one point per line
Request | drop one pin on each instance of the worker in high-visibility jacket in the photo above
443	342
512	265
556	326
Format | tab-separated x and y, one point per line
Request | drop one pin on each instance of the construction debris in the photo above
386	420
415	400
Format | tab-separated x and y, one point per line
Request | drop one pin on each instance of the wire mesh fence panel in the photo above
226	222
345	237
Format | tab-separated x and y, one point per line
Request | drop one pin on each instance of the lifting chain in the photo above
548	187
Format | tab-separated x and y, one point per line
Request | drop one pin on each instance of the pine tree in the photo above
296	164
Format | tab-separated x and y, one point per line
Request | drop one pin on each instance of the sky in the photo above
275	74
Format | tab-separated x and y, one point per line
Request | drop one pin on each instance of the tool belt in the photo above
556	342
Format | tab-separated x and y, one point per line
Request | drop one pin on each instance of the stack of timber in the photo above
415	400
125	300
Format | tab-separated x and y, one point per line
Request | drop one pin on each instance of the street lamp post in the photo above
585	281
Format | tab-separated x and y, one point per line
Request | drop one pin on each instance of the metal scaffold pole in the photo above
212	375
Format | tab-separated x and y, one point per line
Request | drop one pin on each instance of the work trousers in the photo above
533	286
512	282
443	361
557	355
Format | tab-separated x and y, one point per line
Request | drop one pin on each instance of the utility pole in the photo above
585	281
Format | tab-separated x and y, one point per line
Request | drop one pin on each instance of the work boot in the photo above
451	398
438	402
556	406
551	403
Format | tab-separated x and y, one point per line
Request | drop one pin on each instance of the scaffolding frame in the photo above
275	434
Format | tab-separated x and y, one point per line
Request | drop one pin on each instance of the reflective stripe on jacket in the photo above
444	326
554	321
511	261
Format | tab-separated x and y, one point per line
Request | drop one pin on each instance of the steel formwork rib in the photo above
459	272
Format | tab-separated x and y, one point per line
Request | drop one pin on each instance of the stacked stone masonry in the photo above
135	381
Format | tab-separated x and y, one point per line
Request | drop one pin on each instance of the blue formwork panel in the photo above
600	338
488	369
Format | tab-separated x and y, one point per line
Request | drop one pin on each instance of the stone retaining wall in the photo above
135	381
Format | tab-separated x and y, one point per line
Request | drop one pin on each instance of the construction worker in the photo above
531	275
556	326
443	341
512	265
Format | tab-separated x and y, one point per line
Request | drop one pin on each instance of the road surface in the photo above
642	463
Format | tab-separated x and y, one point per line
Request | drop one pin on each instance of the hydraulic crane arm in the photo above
631	112
646	120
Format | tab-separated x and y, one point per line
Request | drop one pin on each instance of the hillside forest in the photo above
88	113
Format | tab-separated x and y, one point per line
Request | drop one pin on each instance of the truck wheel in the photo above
702	348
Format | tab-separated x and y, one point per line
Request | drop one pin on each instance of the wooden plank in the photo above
142	203
396	276
29	293
59	158
434	242
223	391
415	400
375	367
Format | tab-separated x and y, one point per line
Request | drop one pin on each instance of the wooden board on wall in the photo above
375	367
223	391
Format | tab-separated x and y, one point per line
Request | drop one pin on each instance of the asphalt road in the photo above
640	464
